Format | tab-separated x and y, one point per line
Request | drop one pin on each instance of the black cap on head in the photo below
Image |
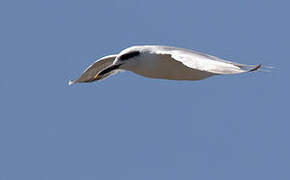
129	55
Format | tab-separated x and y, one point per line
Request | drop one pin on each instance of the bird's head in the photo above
127	59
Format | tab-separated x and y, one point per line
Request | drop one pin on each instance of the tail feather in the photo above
260	67
256	68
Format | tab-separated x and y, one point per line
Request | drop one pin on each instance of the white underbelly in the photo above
168	69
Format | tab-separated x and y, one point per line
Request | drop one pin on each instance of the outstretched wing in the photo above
204	62
90	74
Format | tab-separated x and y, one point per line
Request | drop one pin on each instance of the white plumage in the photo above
163	62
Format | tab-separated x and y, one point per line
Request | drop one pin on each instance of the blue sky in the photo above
129	127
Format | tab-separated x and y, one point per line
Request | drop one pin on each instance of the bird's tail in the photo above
260	67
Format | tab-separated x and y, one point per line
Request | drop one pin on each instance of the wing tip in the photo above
71	82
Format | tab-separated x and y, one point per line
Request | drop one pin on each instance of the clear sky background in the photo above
129	127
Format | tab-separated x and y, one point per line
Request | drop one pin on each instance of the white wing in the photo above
89	75
204	62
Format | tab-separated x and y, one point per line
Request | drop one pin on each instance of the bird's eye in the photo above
129	55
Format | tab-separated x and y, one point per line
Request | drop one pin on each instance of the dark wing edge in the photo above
90	74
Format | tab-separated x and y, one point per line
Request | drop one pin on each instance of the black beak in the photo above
108	69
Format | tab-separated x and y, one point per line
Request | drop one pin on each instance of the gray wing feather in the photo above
89	75
204	62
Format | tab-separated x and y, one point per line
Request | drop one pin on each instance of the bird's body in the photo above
163	62
163	67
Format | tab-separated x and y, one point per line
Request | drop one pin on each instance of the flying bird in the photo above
162	62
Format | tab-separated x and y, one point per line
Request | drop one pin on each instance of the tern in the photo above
162	62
